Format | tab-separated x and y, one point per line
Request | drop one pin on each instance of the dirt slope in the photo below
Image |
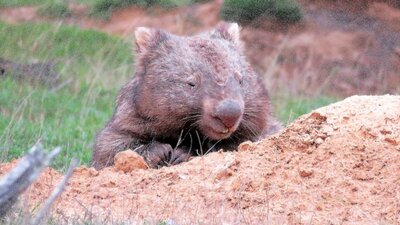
337	165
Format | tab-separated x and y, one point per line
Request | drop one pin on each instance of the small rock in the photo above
86	172
128	161
373	190
93	171
306	172
319	141
317	117
235	185
223	173
385	132
269	171
391	141
227	169
362	175
352	200
246	146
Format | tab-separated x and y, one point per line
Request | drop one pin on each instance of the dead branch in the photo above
25	173
55	194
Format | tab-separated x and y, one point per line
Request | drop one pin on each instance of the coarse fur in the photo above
189	96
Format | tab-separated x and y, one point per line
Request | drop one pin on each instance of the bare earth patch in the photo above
339	164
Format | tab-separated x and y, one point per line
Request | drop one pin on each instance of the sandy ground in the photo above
339	164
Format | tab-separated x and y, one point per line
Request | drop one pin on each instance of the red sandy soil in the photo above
339	164
341	47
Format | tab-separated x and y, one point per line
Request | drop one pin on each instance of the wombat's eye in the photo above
192	81
191	84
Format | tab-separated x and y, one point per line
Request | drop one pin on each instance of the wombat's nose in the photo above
229	112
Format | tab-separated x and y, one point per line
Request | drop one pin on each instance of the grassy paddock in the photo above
95	66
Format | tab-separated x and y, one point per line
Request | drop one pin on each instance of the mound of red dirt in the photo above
337	165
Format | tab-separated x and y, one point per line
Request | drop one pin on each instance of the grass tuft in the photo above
12	3
288	108
57	9
104	8
285	11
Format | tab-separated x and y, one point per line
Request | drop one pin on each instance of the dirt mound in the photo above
337	165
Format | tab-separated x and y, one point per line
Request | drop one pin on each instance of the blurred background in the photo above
63	62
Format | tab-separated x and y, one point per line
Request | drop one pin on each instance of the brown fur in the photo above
190	95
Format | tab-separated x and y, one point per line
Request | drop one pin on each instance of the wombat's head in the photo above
201	81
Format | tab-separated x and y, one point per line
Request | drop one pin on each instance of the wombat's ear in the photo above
145	37
228	31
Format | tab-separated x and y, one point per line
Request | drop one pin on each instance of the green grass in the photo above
289	108
63	118
285	11
96	66
7	3
55	10
104	8
4	3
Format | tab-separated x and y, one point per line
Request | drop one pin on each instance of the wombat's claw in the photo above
178	156
158	154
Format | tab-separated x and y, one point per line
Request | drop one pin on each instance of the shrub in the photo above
287	11
104	8
200	1
172	3
57	9
244	10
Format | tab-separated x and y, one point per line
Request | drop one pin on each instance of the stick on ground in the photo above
55	194
25	173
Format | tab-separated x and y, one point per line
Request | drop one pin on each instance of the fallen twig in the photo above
25	173
55	194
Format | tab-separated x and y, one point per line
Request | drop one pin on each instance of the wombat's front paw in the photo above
158	154
179	155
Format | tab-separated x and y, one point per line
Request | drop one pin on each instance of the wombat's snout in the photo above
229	112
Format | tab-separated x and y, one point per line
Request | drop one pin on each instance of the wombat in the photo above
189	96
